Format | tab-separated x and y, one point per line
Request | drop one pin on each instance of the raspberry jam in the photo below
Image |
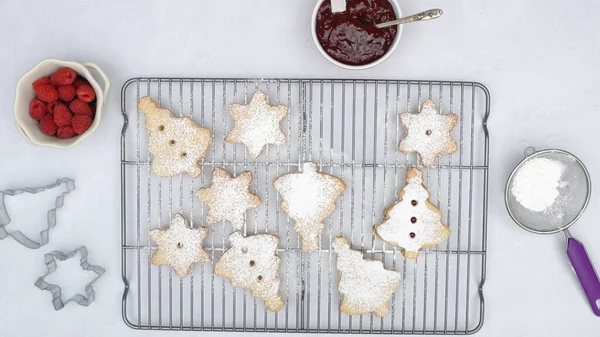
351	37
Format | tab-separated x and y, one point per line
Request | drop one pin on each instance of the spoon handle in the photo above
423	16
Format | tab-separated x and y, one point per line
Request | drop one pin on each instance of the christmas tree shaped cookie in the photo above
413	222
308	198
228	198
179	246
177	143
257	124
428	133
251	262
365	284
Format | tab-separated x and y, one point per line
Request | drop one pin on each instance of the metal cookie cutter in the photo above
50	260
17	235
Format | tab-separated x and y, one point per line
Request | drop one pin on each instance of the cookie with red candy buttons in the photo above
413	222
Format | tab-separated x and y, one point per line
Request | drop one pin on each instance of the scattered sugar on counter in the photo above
536	183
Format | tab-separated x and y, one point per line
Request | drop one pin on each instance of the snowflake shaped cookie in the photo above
428	133
228	198
179	245
257	124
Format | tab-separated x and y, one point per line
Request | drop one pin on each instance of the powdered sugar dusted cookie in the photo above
428	133
251	262
179	245
308	198
177	143
365	284
228	198
257	124
413	222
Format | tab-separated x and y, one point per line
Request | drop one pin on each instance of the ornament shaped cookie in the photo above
228	198
308	198
251	262
177	143
365	284
179	246
257	124
413	222
428	133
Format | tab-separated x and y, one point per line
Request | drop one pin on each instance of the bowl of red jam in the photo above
350	39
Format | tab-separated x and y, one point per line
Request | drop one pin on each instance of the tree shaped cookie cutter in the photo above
50	261
51	218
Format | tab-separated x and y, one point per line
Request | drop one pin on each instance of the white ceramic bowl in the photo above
25	94
313	28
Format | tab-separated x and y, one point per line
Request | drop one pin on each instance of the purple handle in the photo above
585	272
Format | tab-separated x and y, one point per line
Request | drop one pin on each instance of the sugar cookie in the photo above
179	245
257	124
413	222
308	198
177	143
365	284
228	198
251	262
428	133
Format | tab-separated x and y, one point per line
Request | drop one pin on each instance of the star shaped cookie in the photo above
228	198
179	246
257	124
428	133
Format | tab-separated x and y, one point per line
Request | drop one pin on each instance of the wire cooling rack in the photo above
351	129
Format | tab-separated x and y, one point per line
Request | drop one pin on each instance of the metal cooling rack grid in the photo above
349	127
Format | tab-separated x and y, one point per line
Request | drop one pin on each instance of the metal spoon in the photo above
429	14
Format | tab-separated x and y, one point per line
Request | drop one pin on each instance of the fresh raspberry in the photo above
37	109
51	106
81	123
41	81
63	76
80	107
62	115
66	92
47	93
86	93
65	132
47	125
79	83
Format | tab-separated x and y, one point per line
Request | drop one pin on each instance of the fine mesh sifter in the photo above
568	201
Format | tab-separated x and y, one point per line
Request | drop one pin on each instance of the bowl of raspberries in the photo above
59	103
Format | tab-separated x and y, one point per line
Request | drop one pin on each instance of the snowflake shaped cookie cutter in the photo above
51	217
50	261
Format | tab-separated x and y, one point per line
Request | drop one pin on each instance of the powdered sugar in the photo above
535	185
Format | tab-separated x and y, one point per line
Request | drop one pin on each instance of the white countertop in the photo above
538	58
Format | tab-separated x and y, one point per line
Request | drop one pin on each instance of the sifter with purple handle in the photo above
573	197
